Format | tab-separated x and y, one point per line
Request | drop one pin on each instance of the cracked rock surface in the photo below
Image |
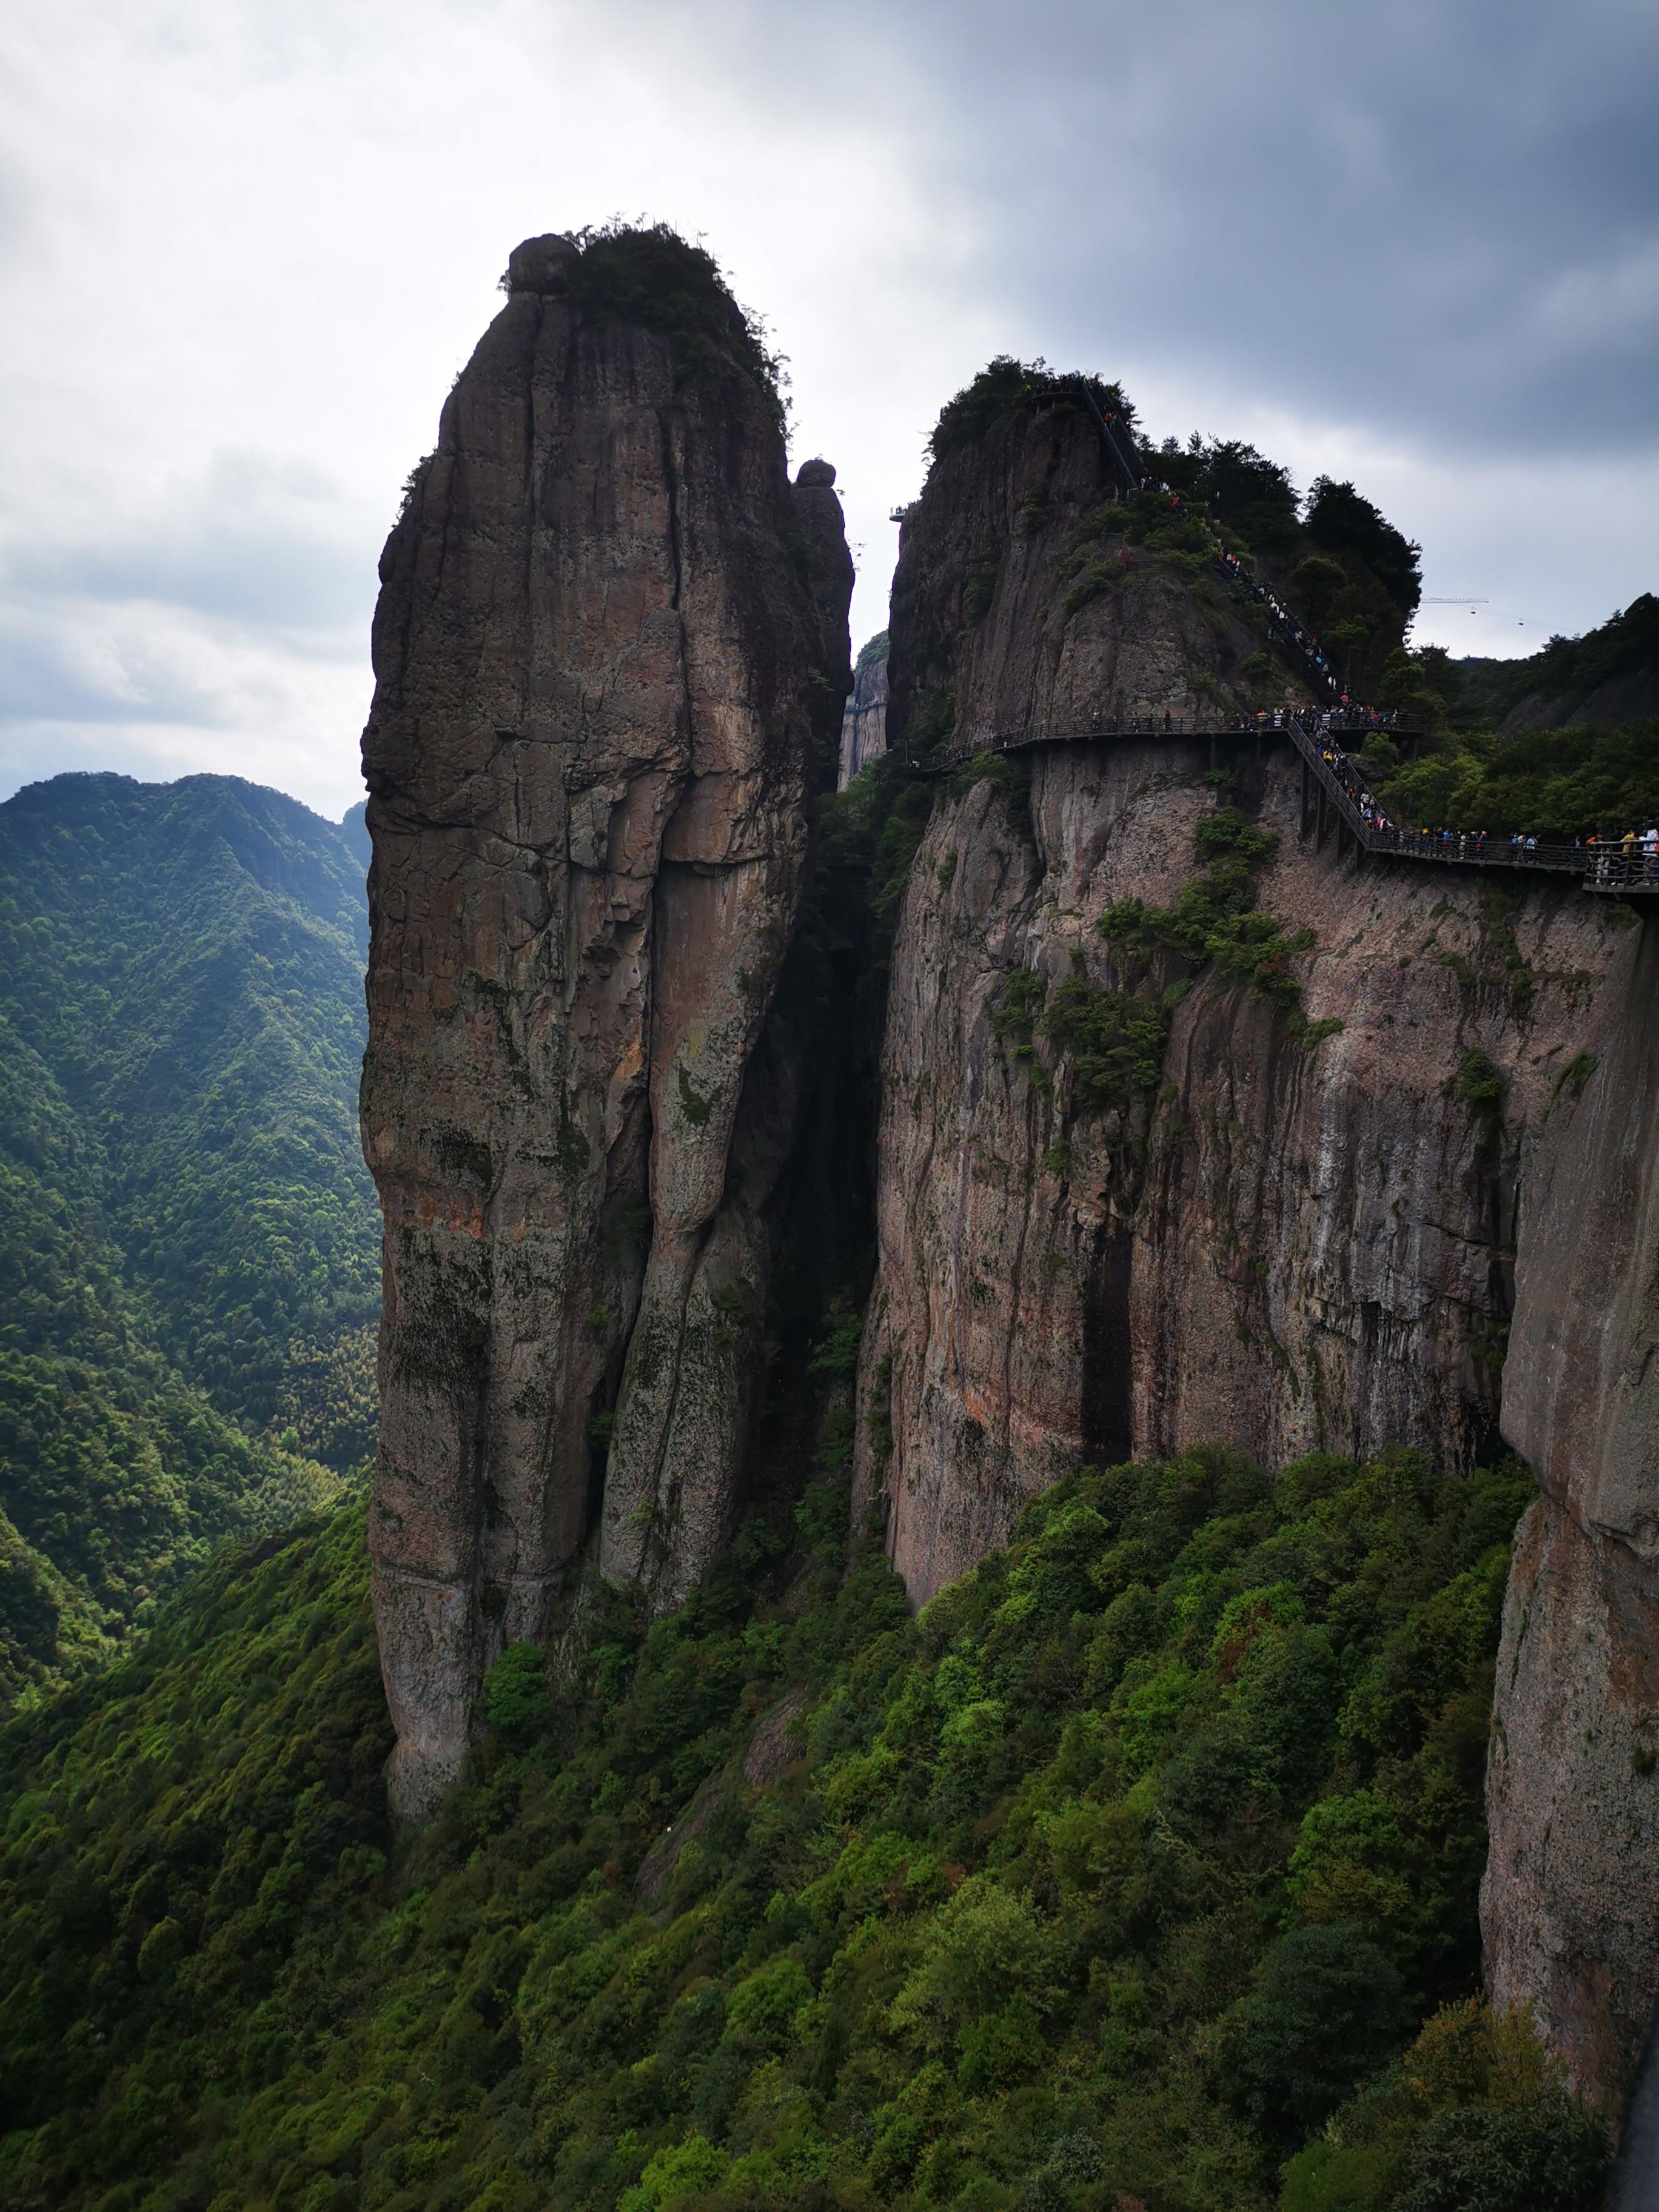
610	653
1280	1249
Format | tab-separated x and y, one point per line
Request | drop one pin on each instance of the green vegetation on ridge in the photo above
1592	780
188	1237
1141	1868
648	273
1568	670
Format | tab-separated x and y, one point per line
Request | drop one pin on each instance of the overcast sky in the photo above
244	248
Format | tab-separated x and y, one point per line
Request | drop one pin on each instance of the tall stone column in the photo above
611	654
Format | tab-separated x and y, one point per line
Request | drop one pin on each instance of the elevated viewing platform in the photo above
1262	727
1334	794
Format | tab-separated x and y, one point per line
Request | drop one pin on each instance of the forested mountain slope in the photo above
1610	674
1139	1871
187	1235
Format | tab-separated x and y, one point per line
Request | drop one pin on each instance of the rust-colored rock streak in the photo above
602	616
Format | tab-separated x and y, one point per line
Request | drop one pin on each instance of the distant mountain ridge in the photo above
188	1239
1611	674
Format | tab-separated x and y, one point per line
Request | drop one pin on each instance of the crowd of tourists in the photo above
1288	632
1634	856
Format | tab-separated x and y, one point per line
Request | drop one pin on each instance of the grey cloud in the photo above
252	539
45	681
1431	232
1440	220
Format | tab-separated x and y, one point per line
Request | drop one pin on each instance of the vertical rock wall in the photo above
1284	1248
1570	1906
610	653
864	724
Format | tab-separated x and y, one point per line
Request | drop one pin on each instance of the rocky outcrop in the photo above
1570	1907
611	655
1441	1214
1297	1241
863	722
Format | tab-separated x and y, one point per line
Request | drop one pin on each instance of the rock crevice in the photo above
611	654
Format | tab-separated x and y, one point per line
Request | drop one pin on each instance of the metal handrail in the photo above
1620	869
1615	868
1152	726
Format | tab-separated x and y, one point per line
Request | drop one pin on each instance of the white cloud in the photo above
246	247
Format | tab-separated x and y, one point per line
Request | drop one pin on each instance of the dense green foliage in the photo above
115	1475
1568	669
648	273
1006	386
187	1235
1114	1041
1588	782
1585	780
871	652
1134	1866
1215	923
1346	528
1349	574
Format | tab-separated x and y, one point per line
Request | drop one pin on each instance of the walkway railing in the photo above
1334	792
1331	780
1279	726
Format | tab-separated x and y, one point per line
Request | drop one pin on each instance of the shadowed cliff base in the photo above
611	654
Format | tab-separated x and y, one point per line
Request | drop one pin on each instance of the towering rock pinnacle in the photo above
610	652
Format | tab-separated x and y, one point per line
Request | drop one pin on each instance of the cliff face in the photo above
1570	1908
864	723
1291	1241
610	652
1285	1245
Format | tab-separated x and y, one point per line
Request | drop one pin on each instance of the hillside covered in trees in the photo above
1139	1871
188	1240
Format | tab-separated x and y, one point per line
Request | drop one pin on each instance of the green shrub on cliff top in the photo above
648	273
1007	386
1055	1895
